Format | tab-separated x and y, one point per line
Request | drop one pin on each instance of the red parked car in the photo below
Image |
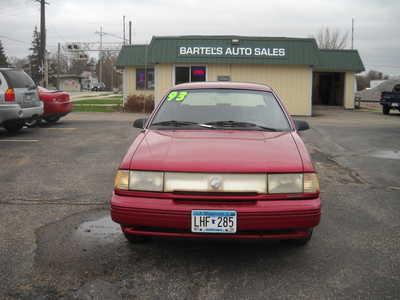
218	160
56	104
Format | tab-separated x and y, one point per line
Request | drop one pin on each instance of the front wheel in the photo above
385	109
13	127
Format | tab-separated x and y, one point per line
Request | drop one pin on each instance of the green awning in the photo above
339	60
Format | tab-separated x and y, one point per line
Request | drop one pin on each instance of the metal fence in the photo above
358	101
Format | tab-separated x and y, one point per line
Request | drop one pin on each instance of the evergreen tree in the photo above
34	60
3	57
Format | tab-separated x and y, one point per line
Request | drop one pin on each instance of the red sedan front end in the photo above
217	179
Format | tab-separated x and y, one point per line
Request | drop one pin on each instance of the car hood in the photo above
217	151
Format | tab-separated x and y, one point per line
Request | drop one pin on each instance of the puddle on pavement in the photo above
102	229
387	154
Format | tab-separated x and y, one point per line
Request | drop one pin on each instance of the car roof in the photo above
223	85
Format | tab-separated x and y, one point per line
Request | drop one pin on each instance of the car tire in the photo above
51	120
13	127
386	109
301	242
136	239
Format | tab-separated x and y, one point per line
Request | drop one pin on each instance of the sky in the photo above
377	22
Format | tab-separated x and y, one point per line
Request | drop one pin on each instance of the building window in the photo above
190	74
145	79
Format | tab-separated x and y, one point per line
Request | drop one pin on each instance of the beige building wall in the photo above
215	70
293	84
129	84
349	89
163	80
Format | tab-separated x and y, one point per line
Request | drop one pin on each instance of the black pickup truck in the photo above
390	100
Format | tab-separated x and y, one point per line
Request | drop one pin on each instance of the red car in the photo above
56	104
218	160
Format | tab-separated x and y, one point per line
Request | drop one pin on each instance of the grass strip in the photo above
99	101
96	108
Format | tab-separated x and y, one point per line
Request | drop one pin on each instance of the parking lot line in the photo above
26	141
60	128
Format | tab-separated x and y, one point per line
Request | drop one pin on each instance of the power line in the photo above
384	66
58	34
12	39
7	10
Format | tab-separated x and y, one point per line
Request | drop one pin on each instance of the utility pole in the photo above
352	33
42	53
101	33
43	38
58	65
130	32
101	55
123	21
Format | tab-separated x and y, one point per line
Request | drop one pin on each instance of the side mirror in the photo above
301	125
139	123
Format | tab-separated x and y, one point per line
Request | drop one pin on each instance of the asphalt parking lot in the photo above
57	241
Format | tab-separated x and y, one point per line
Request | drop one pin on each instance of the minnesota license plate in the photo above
214	221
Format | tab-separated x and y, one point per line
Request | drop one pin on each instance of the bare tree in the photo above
328	38
19	63
111	77
53	61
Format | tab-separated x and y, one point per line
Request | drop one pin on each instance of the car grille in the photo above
214	197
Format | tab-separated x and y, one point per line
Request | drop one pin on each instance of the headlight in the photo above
146	181
285	183
122	180
293	183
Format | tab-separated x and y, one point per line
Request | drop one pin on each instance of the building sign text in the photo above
231	51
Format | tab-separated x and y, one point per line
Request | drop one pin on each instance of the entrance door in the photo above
328	88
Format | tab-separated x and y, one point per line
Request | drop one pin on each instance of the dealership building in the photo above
301	74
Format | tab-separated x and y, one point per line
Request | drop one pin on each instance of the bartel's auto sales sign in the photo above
231	51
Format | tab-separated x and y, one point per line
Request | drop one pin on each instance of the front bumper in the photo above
275	219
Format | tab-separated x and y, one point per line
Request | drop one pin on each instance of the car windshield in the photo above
221	109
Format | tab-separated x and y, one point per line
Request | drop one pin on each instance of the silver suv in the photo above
19	99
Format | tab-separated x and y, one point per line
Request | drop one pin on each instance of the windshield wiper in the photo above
175	123
239	124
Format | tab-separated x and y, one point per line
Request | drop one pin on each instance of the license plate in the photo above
214	221
28	98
